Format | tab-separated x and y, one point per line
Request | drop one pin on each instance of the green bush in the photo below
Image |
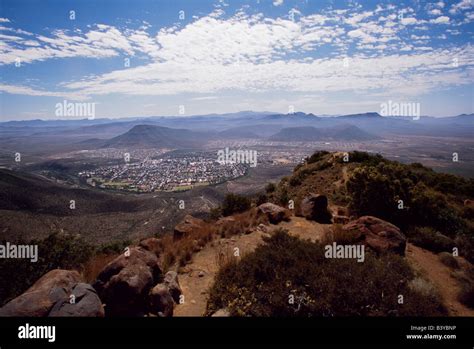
265	282
58	250
317	156
376	190
270	188
448	260
234	203
466	296
465	244
430	239
113	247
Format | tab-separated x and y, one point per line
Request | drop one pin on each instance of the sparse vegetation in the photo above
448	260
291	277
430	239
234	203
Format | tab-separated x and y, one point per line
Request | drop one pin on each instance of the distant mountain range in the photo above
312	134
193	131
147	136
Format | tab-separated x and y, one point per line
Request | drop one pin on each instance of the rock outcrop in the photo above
377	234
315	207
85	303
124	283
274	213
161	302
187	226
57	293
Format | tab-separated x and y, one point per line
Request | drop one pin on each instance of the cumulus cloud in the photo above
251	53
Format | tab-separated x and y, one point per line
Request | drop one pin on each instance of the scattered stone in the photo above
201	274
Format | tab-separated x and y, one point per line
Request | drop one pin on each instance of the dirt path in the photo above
198	276
440	275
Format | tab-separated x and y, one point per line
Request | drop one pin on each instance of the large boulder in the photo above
171	281
377	234
274	213
161	301
124	283
86	303
187	226
315	207
221	313
49	295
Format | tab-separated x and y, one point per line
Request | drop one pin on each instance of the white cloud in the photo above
460	6
440	20
4	20
277	2
435	12
251	53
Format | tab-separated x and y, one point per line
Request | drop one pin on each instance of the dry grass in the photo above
94	266
339	236
177	253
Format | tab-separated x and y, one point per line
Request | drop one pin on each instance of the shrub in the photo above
58	250
430	239
466	295
234	203
290	277
261	199
448	260
270	188
465	244
316	156
113	247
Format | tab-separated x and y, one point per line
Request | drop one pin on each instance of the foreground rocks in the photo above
274	213
124	284
52	295
315	207
187	226
379	235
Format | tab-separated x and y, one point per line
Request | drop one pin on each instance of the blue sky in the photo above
324	57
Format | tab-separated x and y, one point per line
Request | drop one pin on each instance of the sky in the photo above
174	57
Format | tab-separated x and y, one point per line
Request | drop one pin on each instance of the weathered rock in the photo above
86	303
161	301
315	207
171	281
187	226
152	245
53	287
125	293
221	313
124	283
274	213
379	235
